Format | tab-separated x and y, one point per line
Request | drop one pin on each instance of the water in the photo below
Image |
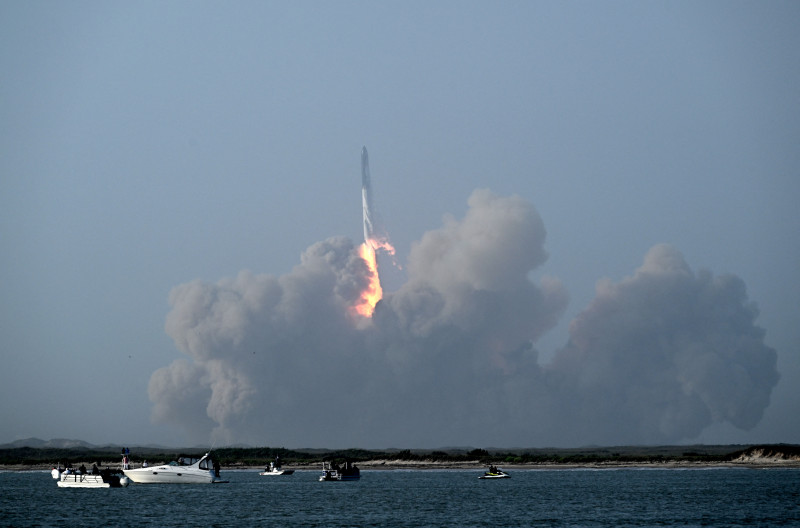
557	498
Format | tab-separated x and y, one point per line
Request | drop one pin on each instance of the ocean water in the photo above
558	498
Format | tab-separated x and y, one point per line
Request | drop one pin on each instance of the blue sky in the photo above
148	145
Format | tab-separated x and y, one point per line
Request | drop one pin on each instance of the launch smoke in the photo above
450	358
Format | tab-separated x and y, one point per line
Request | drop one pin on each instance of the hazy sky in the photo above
594	206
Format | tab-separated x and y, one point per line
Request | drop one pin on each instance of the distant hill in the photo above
54	443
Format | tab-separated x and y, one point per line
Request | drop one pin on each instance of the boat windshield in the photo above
185	460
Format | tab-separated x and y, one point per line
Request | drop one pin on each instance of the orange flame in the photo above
373	292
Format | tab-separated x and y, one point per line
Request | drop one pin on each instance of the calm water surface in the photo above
624	497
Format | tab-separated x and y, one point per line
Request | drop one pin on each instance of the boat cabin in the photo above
206	461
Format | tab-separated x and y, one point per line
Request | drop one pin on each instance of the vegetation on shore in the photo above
259	456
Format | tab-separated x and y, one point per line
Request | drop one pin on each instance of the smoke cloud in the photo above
664	353
449	358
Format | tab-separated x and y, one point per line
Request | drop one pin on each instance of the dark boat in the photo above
332	472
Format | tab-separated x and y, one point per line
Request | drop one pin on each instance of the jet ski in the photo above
494	473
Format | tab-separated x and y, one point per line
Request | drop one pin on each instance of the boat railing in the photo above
77	477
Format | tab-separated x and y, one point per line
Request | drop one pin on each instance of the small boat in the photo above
187	469
101	479
274	468
332	472
494	473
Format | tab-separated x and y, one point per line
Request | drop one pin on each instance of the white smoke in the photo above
449	357
664	353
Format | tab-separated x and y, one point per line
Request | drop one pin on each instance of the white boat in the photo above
104	479
494	473
275	468
332	472
188	469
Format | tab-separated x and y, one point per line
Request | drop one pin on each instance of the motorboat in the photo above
274	468
187	469
331	472
100	479
494	473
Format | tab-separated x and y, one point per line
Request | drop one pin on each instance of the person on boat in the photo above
125	459
95	469
144	464
216	468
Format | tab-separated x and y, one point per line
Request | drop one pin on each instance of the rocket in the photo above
375	235
366	200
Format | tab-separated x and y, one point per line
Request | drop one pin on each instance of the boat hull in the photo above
277	473
76	480
333	476
170	475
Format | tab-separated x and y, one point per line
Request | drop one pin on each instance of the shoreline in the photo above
405	465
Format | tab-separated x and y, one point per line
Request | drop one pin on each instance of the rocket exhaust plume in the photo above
375	238
373	292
